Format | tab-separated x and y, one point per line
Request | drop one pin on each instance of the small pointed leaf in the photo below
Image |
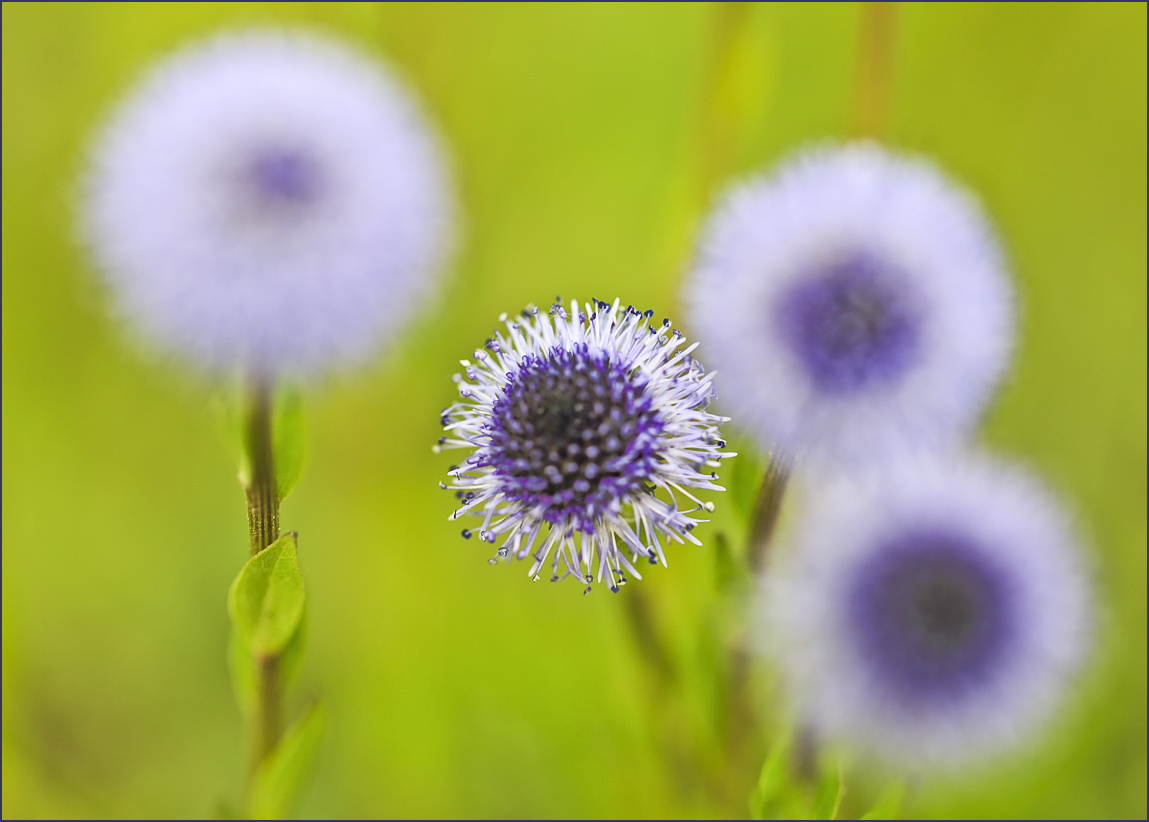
266	600
229	422
831	789
292	653
289	429
243	674
280	776
772	781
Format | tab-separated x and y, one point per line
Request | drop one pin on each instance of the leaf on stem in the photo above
831	789
280	776
292	653
266	599
773	781
289	432
243	675
229	422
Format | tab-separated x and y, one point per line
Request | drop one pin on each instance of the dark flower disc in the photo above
933	615
575	434
851	327
284	176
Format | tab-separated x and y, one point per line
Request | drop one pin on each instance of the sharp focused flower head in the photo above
854	302
267	201
931	612
578	417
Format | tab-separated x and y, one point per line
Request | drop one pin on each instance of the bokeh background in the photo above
587	141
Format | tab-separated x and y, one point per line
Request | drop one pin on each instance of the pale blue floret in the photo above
854	302
589	428
268	202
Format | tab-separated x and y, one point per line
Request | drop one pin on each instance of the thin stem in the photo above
805	755
766	510
676	738
268	710
716	141
262	495
740	716
875	69
646	635
263	526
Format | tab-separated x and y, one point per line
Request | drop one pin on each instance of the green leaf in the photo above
773	782
280	776
243	675
888	804
266	599
292	653
229	422
289	432
831	789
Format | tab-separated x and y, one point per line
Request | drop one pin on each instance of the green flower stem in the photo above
766	510
674	734
646	636
875	67
741	718
262	494
263	525
718	124
268	710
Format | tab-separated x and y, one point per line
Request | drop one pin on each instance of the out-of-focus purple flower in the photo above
931	611
578	418
853	302
266	201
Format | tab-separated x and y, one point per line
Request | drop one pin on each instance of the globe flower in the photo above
854	302
590	435
931	613
267	202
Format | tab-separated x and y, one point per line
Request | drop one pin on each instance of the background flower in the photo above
268	200
931	611
856	301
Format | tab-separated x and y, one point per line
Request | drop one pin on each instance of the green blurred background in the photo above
587	141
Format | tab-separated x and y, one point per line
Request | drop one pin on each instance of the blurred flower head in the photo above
577	418
853	301
271	202
931	612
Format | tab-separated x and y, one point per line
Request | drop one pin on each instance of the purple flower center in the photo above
852	326
933	615
284	176
575	434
